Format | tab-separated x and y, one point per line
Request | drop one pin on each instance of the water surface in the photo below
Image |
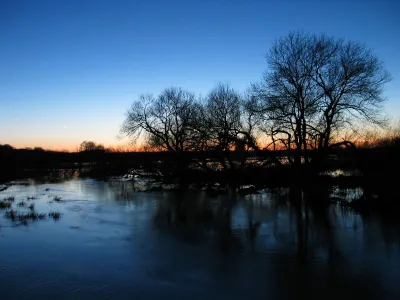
114	241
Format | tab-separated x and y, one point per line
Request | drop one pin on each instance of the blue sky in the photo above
70	69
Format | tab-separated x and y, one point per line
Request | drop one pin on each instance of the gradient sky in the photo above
70	69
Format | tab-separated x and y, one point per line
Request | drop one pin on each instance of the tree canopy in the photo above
90	146
314	88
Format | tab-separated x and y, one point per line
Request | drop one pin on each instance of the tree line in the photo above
314	89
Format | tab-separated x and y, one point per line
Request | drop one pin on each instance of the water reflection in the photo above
316	251
116	242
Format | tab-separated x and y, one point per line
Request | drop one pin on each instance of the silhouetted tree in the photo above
350	80
222	122
316	86
90	146
6	147
222	126
166	122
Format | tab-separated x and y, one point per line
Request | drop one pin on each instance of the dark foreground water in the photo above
113	242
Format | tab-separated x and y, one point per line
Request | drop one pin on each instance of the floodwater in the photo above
115	241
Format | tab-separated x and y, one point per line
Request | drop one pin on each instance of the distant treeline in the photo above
263	166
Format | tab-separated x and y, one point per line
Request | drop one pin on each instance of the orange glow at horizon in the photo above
72	144
68	145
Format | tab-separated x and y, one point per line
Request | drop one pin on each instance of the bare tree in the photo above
223	125
223	120
350	79
286	96
165	121
317	86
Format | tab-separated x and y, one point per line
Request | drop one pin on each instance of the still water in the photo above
114	241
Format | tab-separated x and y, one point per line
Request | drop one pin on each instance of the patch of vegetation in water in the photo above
21	204
25	217
54	215
4	204
23	212
57	199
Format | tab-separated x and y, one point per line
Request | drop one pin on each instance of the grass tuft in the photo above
24	217
55	215
5	205
21	204
57	199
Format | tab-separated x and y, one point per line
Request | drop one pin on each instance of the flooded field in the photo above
116	240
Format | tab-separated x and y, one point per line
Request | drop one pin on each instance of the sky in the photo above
69	70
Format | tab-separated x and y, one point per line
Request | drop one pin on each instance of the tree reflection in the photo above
194	216
291	245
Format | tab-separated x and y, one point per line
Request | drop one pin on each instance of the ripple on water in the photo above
74	208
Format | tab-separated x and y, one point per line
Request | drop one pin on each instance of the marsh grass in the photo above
24	218
21	204
21	217
9	199
54	215
4	204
